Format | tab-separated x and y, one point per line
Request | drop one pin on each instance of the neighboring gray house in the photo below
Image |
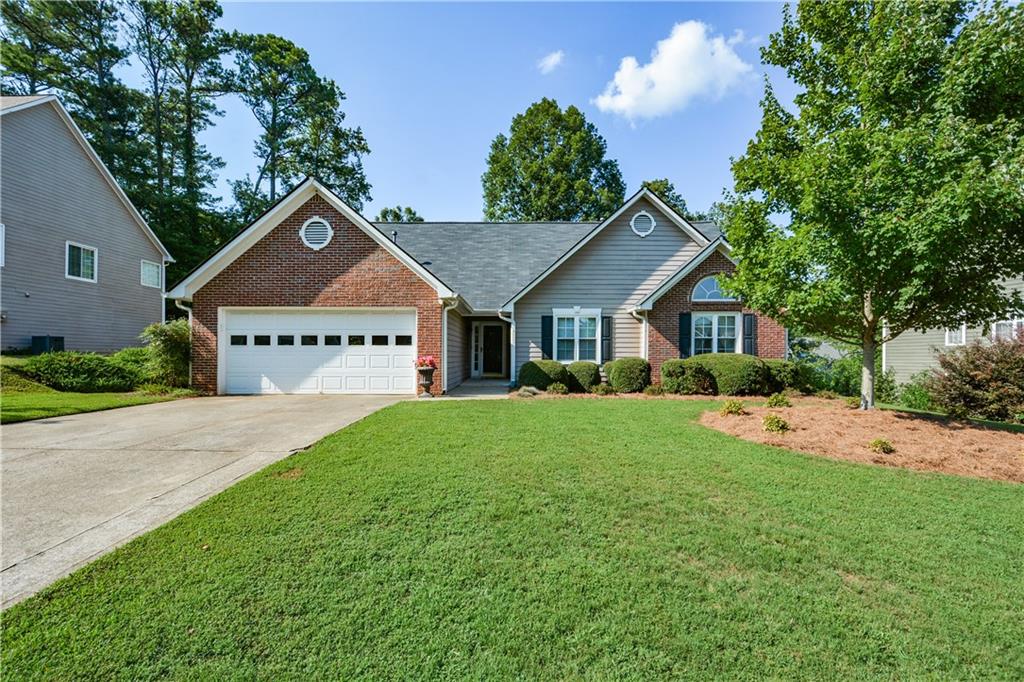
913	352
76	258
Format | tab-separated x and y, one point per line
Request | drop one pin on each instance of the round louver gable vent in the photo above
316	233
642	223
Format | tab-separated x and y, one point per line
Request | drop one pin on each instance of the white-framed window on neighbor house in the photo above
956	336
716	333
577	332
80	261
152	274
1006	329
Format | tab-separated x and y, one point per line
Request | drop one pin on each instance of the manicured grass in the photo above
22	406
551	539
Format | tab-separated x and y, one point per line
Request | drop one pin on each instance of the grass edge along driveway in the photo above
550	539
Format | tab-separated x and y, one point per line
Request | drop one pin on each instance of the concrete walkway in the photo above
480	389
73	488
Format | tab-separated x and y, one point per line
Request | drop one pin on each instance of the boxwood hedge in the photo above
583	376
542	373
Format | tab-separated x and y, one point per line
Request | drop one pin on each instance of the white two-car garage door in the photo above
310	350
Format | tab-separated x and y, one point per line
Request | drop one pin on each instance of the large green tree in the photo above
890	197
551	166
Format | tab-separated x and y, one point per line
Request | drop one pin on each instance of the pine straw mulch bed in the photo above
923	443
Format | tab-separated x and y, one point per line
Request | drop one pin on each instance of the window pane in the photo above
565	327
702	328
701	346
727	326
332	340
74	261
379	340
588	349
588	327
88	264
309	339
150	274
708	289
356	340
403	340
564	349
726	345
261	340
955	337
286	340
1004	329
238	339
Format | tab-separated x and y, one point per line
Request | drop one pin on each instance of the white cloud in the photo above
690	63
550	62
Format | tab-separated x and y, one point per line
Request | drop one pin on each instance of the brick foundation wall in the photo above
663	319
279	270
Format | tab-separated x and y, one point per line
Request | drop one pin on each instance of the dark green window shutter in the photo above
606	339
750	334
684	334
546	334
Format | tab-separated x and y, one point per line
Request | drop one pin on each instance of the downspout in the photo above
640	316
187	309
446	305
511	343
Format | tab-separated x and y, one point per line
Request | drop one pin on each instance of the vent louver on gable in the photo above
316	233
642	224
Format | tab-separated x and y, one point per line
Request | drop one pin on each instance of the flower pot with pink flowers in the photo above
425	366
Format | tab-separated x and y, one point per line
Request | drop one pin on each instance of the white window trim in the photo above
962	329
316	219
575	313
1017	324
710	300
95	262
632	224
714	330
142	274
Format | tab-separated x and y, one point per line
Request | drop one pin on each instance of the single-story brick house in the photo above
313	298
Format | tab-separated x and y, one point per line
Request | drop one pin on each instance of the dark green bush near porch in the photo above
136	361
783	374
628	375
735	374
583	376
80	372
542	373
683	379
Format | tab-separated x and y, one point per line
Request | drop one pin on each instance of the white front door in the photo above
310	350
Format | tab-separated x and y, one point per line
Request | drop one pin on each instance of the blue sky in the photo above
432	84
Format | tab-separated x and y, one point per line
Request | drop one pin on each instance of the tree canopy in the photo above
551	166
398	214
889	197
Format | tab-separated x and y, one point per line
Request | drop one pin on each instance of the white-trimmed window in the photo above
957	336
1006	329
577	333
80	262
152	274
716	333
708	289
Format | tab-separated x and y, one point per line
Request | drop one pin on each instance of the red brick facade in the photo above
663	319
279	270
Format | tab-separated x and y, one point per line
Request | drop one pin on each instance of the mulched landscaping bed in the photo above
829	428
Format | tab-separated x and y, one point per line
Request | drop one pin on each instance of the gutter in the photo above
187	309
641	316
447	304
511	342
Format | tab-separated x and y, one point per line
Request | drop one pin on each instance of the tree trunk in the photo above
867	374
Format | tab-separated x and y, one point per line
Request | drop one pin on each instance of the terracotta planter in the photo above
426	380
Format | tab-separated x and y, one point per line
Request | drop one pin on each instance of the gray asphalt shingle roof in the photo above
487	263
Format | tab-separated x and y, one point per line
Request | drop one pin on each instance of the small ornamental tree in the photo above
900	172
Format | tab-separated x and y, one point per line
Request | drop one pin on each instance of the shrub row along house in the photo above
313	298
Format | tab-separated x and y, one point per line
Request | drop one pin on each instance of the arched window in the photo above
708	289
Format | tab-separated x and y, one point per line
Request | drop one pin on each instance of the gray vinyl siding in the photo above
913	352
458	349
51	192
613	272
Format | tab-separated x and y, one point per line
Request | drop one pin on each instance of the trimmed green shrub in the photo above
583	376
881	446
978	380
542	373
629	375
783	375
603	389
558	388
773	423
778	400
734	374
170	347
79	372
677	376
136	361
732	407
654	389
914	394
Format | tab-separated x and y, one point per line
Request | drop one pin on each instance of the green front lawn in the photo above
550	539
19	407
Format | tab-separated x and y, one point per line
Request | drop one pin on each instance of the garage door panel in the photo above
343	352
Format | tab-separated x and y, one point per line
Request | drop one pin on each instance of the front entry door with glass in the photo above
489	348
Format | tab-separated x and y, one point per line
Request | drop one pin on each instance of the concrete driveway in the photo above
76	487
